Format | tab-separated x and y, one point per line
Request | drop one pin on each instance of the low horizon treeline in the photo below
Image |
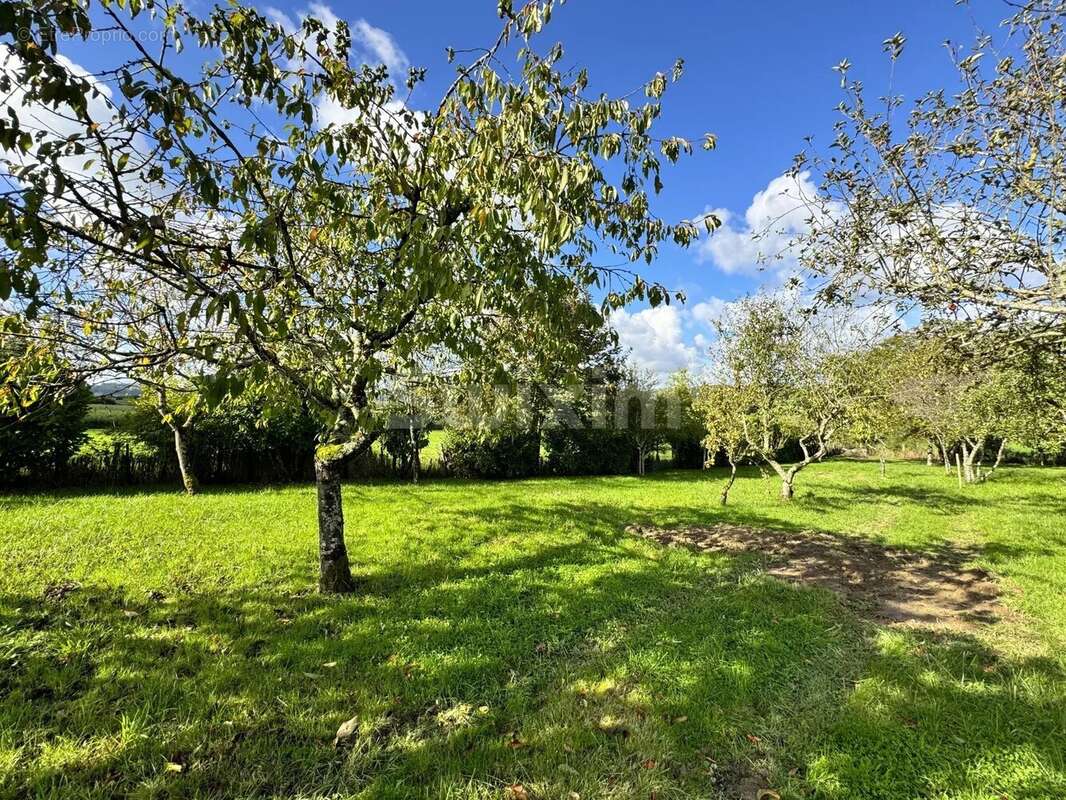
245	441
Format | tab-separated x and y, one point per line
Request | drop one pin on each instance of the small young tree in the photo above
798	391
724	410
875	420
408	398
645	413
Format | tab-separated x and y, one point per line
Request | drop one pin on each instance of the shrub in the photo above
396	442
587	451
242	440
505	453
687	452
36	444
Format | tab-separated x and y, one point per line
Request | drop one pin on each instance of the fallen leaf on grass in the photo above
174	767
330	664
345	731
767	794
516	791
648	763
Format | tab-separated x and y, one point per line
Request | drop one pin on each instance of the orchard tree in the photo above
933	381
724	411
686	432
322	250
798	389
1005	405
638	403
875	420
966	407
956	205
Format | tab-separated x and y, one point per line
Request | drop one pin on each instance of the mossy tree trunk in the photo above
335	573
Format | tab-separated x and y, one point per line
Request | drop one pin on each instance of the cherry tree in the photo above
312	253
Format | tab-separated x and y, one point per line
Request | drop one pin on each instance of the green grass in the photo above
107	415
514	633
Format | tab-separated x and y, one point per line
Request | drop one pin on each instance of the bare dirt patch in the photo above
889	586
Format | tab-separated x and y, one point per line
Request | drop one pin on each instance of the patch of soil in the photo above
889	586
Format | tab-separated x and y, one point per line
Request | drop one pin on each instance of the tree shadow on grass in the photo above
452	679
585	660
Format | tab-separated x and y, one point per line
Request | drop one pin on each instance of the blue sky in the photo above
758	74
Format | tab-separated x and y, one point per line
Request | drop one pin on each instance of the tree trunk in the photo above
786	477
958	467
970	455
947	458
181	448
416	461
882	466
335	575
999	458
729	483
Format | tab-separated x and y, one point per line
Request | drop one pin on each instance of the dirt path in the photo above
896	587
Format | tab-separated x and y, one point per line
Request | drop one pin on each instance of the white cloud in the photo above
654	336
708	311
61	122
324	14
382	46
279	17
372	45
668	338
776	216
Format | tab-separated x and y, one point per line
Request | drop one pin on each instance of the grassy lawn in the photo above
154	645
107	415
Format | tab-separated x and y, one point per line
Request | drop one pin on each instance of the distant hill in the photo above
116	390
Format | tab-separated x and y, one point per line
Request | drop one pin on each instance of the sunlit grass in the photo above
156	645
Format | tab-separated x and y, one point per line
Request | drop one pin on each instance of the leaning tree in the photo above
723	409
321	250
